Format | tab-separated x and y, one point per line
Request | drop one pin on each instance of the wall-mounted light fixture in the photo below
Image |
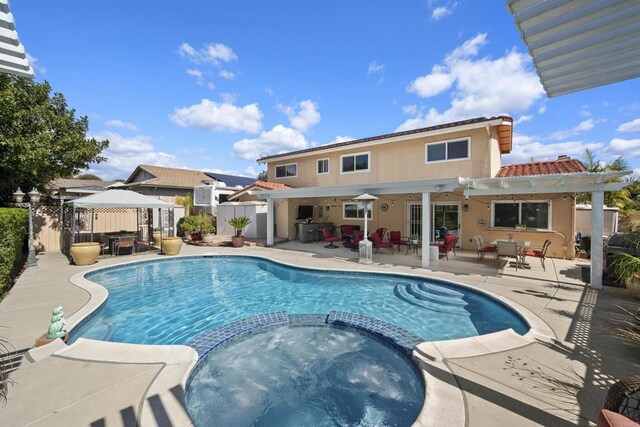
465	207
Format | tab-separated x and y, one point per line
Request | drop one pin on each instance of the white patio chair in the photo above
508	250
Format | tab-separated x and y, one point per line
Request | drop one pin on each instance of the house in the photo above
454	169
68	189
164	183
209	194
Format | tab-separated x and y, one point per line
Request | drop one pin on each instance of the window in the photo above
323	166
533	214
358	162
447	150
356	210
287	171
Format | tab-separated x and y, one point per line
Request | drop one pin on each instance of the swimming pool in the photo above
172	301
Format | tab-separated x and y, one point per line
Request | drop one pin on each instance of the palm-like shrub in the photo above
239	223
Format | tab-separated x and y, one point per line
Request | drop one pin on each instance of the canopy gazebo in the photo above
115	198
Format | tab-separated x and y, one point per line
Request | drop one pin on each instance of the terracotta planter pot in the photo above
171	245
156	238
85	253
43	340
237	241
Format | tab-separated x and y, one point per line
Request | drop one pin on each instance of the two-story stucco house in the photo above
449	175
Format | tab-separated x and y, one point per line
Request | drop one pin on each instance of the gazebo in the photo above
115	198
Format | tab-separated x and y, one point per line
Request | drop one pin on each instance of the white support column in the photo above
270	218
426	229
597	213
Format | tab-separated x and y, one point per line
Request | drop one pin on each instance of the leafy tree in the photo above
618	199
89	177
187	203
40	137
262	176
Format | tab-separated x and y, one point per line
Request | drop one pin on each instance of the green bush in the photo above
198	224
13	227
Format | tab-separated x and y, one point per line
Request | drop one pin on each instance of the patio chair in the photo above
481	249
381	231
508	250
542	253
346	232
395	237
125	242
448	245
358	236
326	233
379	244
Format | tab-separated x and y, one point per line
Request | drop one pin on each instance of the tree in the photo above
89	177
40	137
618	199
262	176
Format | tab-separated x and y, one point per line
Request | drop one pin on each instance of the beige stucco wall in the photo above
562	218
396	161
166	194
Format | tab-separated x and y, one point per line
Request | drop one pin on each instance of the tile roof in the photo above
260	184
169	177
389	135
559	166
77	183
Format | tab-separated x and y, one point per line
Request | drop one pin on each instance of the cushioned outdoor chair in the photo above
379	244
448	245
328	237
542	253
358	236
346	232
508	250
482	250
395	237
381	231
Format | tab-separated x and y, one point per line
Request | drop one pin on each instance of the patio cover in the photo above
120	199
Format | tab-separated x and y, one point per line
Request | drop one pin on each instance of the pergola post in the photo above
426	230
270	218
597	213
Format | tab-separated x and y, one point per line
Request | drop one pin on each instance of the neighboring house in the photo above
453	168
69	189
208	195
164	183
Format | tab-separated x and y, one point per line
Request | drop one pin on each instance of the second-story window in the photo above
447	150
358	162
323	166
287	171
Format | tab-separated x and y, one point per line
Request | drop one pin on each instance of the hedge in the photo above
13	228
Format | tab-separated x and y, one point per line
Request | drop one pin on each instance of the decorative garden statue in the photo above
58	322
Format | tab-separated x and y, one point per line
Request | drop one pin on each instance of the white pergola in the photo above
594	183
13	58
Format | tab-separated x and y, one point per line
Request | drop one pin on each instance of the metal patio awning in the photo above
580	44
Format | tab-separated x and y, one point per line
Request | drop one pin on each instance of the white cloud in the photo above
33	61
526	147
197	74
480	86
125	153
577	130
278	140
229	98
302	116
340	138
374	67
627	148
629	127
213	53
269	91
213	116
440	12
225	74
410	109
250	171
523	118
432	84
230	171
211	86
121	124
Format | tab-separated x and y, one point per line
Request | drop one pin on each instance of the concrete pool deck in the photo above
540	382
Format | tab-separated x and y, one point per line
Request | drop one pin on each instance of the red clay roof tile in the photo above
560	166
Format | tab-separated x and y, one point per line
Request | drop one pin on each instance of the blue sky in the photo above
212	85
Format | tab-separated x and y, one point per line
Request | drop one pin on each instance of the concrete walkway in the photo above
561	382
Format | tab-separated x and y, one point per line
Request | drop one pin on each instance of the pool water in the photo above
172	301
305	376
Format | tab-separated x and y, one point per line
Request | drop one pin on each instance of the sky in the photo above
213	85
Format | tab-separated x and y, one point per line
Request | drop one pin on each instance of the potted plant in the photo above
207	228
239	223
199	227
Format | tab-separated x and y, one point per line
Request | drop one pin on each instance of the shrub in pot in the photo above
198	226
239	223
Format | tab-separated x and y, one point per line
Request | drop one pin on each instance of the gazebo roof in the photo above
120	199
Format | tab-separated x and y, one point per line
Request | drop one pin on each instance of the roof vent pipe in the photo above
563	157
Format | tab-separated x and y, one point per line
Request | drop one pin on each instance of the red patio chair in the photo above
542	253
448	245
481	249
346	232
326	233
381	231
379	244
395	237
358	236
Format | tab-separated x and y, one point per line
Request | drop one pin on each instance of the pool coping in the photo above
444	402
